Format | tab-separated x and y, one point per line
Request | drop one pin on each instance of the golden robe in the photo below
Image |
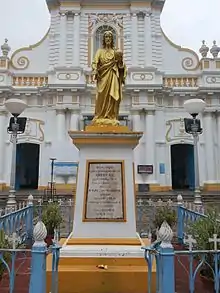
110	77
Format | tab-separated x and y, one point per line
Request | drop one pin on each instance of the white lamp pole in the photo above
194	107
15	107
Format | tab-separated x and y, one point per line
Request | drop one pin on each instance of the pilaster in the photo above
138	155
157	50
141	36
127	40
60	123
76	53
74	120
70	42
134	34
209	147
3	128
150	144
61	136
54	39
148	38
218	145
62	52
83	40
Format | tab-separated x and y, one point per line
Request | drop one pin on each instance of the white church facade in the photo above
54	78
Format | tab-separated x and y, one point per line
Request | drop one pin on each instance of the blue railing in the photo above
37	255
184	218
160	254
190	261
19	222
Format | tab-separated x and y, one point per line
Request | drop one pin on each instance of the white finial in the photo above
165	234
190	241
215	50
30	200
215	240
40	233
179	199
70	201
40	201
5	48
140	202
60	202
204	50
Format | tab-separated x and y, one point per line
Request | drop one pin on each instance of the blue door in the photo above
190	172
27	166
182	165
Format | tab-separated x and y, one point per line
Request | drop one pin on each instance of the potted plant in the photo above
164	213
201	230
52	218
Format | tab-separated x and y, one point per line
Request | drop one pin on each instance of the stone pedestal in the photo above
104	246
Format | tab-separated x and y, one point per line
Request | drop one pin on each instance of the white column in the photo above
136	119
62	52
3	128
74	120
74	126
209	148
60	123
76	47
218	162
150	144
61	137
147	38
134	41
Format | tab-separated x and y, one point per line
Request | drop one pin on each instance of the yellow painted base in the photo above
63	187
84	275
159	188
211	187
107	128
156	188
3	187
104	241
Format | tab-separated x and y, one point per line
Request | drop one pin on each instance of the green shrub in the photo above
51	217
203	229
165	213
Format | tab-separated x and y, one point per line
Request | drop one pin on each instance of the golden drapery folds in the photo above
110	74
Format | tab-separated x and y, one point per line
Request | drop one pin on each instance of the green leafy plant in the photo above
165	213
51	217
4	244
203	229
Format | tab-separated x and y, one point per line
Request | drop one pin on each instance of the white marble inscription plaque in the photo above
104	192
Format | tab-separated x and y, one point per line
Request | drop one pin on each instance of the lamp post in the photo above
51	178
194	107
15	107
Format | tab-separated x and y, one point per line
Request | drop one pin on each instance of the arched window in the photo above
99	36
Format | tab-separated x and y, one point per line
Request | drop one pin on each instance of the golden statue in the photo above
110	74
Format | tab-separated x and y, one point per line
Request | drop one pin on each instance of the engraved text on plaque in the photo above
105	194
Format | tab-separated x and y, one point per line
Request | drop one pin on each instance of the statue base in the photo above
105	121
102	268
107	129
104	254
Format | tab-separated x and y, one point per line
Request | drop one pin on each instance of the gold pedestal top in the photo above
107	129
